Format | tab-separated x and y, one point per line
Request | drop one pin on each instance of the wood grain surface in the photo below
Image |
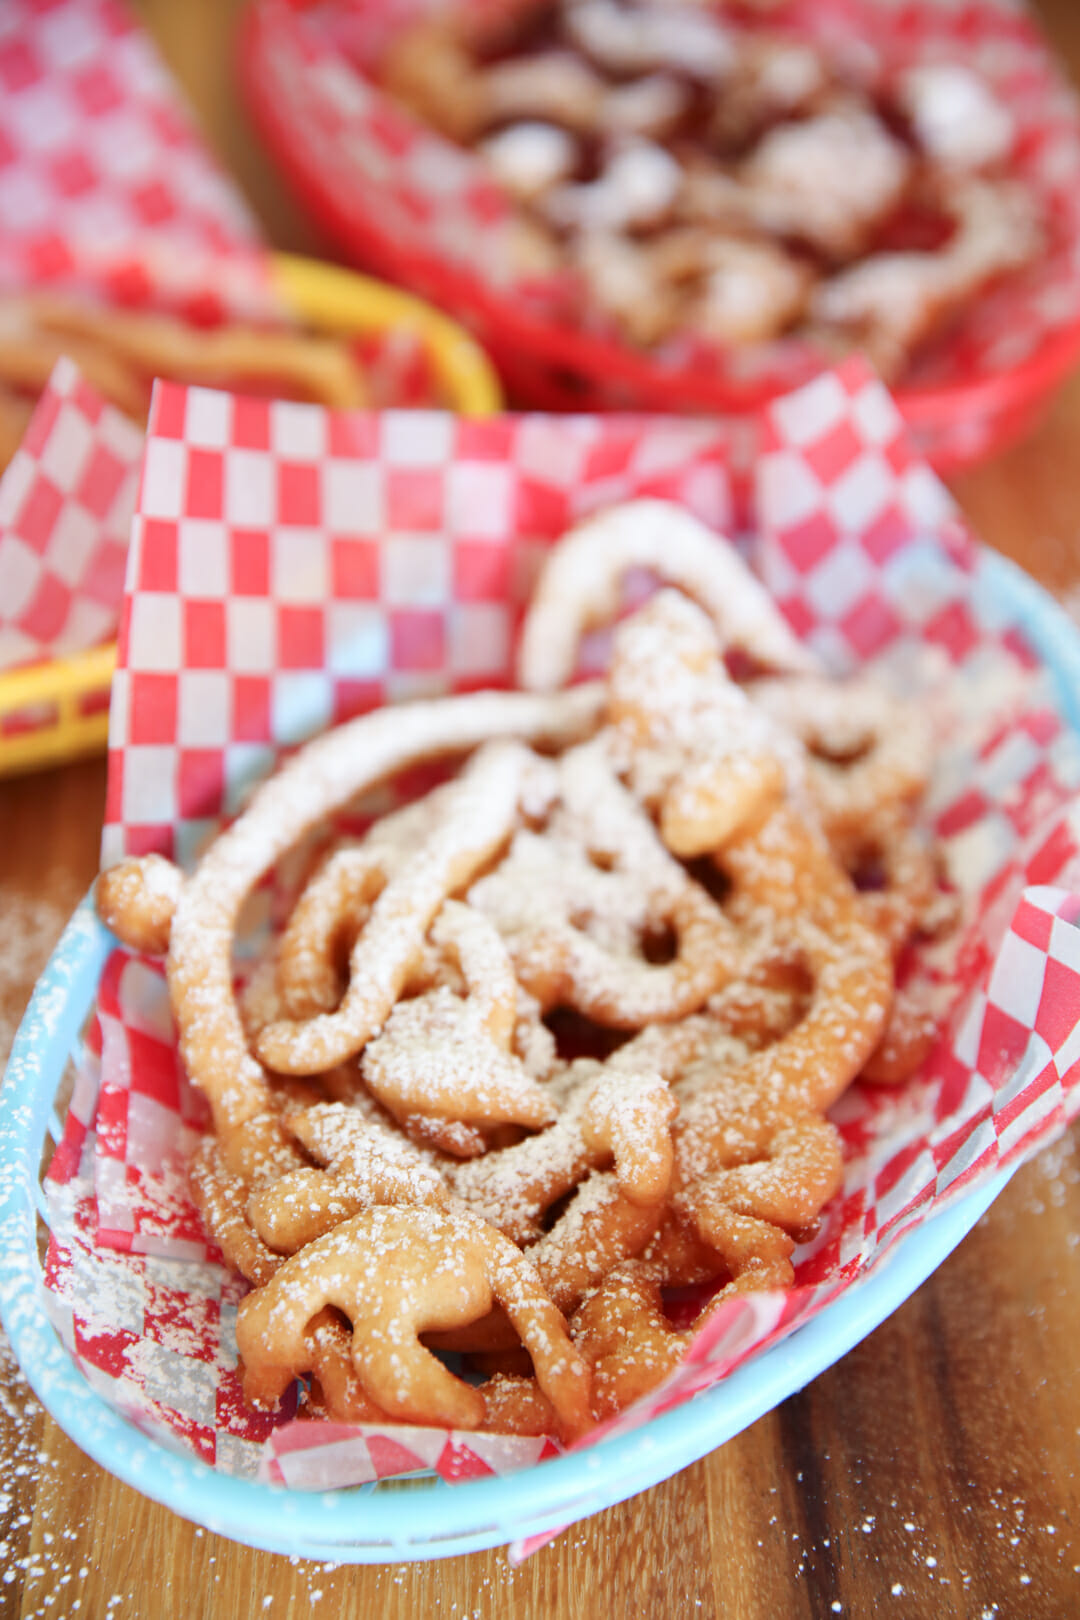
931	1474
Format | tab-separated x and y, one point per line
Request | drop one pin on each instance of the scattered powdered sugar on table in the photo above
48	1558
29	928
920	1570
22	1461
1058	1169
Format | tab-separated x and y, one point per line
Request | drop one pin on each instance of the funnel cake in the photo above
565	1031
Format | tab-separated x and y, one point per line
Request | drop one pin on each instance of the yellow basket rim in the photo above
328	298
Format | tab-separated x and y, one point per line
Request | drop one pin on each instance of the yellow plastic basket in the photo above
59	710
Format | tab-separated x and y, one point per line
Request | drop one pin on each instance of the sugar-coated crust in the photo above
564	1031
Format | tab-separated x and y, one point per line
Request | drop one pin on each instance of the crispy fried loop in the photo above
489	1363
491	1334
909	905
891	302
891	850
868	752
763	1007
435	1058
344	1084
223	1173
550	906
433	74
629	1343
533	1041
704	758
394	1273
28	356
579	587
332	910
680	1256
136	900
15	414
629	1116
451	1136
578	903
728	1115
324	924
622	1332
477	950
748	1213
514	1403
443	1057
221	1198
337	1392
319	780
598	1228
603	1115
316	368
909	1037
671	1049
334	905
363	1163
480	816
514	1187
323	927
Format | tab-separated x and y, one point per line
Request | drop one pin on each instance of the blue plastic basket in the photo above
428	1519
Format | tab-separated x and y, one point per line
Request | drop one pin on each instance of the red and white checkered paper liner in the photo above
105	185
155	1337
68	496
66	503
106	192
429	212
291	567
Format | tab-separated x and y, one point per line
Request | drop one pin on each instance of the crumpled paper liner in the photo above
106	188
66	503
291	567
108	195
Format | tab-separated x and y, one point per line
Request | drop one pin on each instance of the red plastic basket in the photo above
398	199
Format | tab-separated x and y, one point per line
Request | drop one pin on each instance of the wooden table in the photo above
932	1473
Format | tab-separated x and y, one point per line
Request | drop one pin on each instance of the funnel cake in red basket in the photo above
703	177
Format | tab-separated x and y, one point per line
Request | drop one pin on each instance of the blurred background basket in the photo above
357	162
59	710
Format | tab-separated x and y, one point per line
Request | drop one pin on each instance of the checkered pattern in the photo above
66	502
292	567
105	184
429	194
274	541
149	1120
155	1339
105	191
74	1154
427	213
841	495
309	1456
